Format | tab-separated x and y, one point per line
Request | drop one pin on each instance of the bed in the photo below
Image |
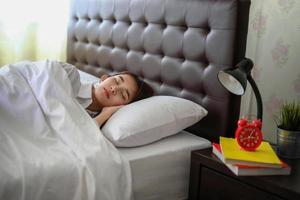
177	47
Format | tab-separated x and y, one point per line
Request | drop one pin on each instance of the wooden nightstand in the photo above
211	179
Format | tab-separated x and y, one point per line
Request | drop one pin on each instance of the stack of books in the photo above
261	162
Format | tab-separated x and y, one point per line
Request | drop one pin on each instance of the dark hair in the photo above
144	89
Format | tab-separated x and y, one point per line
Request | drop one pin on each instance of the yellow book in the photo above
263	156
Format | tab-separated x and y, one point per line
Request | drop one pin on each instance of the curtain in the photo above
33	30
273	44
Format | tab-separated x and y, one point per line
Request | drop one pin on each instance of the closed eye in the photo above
125	93
123	96
116	81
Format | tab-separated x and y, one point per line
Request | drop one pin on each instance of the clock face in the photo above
249	137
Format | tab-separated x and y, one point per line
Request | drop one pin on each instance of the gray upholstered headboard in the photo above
177	46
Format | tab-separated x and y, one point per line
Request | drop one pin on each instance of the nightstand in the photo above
211	179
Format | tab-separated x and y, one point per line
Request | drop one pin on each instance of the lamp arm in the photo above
257	96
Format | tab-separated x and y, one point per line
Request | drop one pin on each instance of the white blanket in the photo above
50	148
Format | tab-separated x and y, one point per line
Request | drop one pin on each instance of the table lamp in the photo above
235	81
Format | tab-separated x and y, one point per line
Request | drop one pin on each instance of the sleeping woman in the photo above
108	95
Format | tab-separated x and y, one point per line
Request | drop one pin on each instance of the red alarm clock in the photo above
248	134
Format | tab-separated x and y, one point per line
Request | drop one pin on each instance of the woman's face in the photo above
115	90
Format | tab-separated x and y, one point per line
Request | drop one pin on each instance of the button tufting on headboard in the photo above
177	46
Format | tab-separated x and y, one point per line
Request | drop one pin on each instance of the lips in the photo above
106	92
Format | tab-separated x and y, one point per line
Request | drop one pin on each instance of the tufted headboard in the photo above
177	46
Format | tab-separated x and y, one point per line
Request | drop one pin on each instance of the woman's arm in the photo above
105	114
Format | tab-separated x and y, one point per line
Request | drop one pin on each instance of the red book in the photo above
245	170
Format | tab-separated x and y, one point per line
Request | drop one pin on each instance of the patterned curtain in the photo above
274	46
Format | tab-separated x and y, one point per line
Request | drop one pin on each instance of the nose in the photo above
113	90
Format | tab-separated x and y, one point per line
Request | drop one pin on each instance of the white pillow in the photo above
151	119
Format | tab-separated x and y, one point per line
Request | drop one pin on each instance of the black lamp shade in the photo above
235	81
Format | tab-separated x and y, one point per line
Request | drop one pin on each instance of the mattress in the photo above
160	170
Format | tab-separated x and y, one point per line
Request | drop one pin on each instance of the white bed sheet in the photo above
160	171
50	148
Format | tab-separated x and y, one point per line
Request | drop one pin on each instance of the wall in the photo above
274	46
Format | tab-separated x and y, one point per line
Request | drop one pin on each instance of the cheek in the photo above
98	91
117	101
120	101
100	96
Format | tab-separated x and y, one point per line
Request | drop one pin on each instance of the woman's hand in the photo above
106	113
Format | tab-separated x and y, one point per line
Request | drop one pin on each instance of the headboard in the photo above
177	46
